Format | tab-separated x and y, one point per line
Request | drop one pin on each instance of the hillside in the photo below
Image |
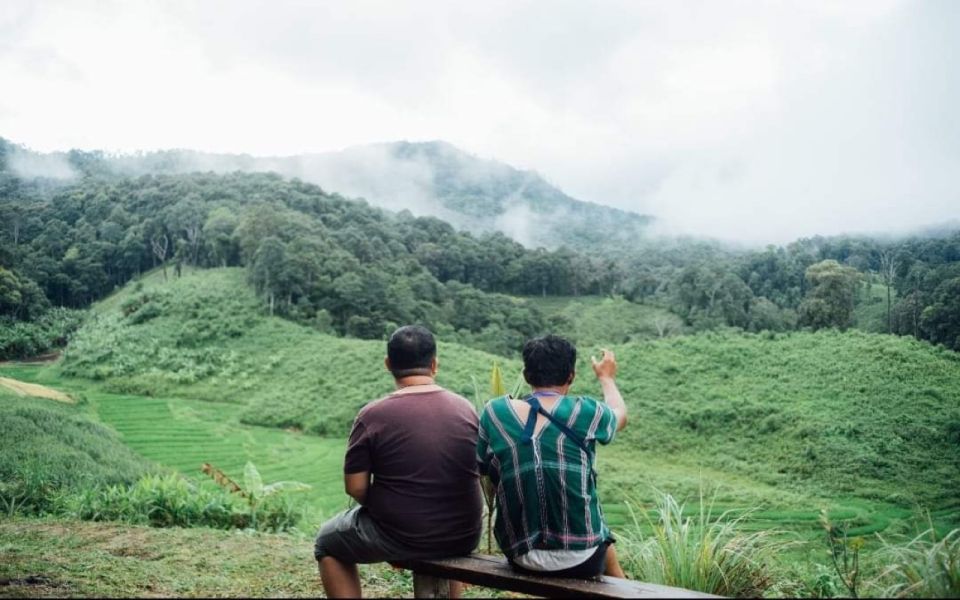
852	414
815	414
204	336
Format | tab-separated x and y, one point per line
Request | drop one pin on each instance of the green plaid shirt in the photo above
546	489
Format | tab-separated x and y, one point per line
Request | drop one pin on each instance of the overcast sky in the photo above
756	121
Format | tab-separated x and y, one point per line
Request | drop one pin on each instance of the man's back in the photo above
419	445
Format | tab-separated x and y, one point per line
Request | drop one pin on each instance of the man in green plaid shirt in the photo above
539	452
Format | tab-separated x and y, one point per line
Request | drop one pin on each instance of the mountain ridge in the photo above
432	178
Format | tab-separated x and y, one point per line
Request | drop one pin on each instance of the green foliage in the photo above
25	339
48	449
832	295
211	341
594	321
941	320
172	501
927	566
317	257
800	411
844	553
709	553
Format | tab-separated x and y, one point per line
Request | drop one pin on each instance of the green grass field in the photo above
780	425
595	321
183	434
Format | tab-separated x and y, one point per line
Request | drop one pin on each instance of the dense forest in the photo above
349	268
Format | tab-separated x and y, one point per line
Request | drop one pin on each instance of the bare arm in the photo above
606	370
356	485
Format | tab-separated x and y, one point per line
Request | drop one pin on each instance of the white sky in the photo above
755	121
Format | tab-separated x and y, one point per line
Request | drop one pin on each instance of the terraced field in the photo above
184	434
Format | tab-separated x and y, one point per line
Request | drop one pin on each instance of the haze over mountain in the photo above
427	178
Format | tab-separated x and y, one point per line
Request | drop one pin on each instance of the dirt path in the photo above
21	388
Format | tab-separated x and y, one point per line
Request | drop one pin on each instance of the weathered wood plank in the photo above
495	572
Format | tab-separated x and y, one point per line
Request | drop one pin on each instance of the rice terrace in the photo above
206	244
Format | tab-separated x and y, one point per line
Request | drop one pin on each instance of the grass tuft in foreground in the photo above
705	553
927	566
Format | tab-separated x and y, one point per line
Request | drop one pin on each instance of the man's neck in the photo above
413	380
552	390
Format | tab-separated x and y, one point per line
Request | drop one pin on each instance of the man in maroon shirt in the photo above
410	466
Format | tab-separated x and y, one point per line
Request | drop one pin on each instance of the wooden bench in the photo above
431	580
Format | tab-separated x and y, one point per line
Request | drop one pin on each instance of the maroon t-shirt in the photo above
421	449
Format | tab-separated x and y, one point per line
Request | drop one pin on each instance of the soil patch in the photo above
22	388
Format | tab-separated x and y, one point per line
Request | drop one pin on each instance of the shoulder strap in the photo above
536	408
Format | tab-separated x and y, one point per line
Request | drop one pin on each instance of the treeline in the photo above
813	282
318	258
343	266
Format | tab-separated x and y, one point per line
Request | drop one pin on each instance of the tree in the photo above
831	297
219	234
888	272
187	217
266	271
10	296
160	244
941	320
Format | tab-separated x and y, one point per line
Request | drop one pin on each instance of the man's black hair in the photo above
411	350
548	360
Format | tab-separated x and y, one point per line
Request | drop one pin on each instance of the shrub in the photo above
23	339
712	555
173	501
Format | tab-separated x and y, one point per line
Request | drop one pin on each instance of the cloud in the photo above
31	164
753	121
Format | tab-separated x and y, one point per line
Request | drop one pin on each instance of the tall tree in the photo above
888	273
832	295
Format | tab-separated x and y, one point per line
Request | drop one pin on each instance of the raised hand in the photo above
606	366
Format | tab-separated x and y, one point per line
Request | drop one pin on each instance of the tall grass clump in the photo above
706	553
927	566
172	501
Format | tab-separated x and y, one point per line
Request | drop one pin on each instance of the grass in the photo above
862	425
709	552
842	415
594	321
56	558
49	446
211	341
928	566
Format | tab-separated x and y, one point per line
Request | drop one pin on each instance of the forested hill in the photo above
72	230
339	265
429	179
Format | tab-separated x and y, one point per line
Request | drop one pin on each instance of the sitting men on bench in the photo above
539	453
411	467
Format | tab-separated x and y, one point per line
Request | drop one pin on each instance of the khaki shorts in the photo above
353	537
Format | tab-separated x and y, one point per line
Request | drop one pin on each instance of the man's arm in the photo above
606	370
356	485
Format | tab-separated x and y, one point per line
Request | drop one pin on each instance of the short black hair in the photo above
411	350
548	360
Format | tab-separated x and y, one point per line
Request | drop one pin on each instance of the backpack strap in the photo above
528	427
